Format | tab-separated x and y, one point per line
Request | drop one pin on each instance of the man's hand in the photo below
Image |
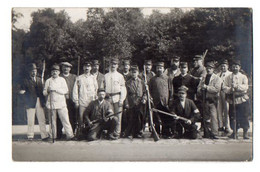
143	101
50	89
21	91
90	124
188	122
77	105
204	87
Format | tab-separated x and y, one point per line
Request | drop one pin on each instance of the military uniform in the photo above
135	94
99	110
187	80
240	83
188	110
116	91
213	84
161	92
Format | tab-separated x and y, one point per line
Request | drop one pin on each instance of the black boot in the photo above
232	136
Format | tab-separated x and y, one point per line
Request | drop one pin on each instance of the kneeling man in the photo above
186	108
99	110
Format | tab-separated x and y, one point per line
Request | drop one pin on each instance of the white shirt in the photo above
114	83
58	99
183	104
87	90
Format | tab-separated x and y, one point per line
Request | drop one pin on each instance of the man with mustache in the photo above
84	90
237	83
98	75
70	80
161	93
116	92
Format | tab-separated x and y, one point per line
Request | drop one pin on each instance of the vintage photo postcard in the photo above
132	84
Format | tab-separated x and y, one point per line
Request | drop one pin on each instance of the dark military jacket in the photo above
101	80
190	82
135	91
198	72
148	76
190	111
70	80
161	90
32	91
95	110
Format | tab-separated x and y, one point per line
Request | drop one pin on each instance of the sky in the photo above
74	13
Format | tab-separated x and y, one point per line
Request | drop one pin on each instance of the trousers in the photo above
223	108
211	110
64	117
242	116
38	110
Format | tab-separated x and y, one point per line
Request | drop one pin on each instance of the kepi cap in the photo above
198	57
87	63
176	58
183	64
126	62
66	64
236	62
148	62
160	64
31	66
134	68
182	89
114	61
95	62
55	67
223	62
210	64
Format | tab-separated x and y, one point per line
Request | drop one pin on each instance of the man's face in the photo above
113	66
182	95
134	73
55	73
197	63
235	68
95	68
159	70
66	69
209	69
87	68
33	73
175	64
184	70
101	95
126	67
224	67
148	67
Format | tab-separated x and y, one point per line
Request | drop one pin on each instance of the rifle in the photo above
100	120
172	115
43	70
52	128
234	110
204	55
77	131
155	134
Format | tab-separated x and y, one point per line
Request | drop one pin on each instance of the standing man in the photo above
237	83
32	88
149	73
198	71
211	84
97	75
223	117
99	110
126	70
116	92
126	73
136	100
56	88
84	90
70	80
186	108
187	80
161	92
174	70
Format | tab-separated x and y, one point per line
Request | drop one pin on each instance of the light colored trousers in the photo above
38	110
64	118
223	116
117	108
81	112
212	110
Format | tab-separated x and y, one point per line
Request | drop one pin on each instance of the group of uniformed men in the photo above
114	105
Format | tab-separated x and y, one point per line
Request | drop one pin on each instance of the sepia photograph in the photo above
132	84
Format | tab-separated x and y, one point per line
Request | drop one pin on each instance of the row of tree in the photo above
128	34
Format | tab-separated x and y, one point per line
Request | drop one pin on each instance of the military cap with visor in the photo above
182	89
66	64
55	67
